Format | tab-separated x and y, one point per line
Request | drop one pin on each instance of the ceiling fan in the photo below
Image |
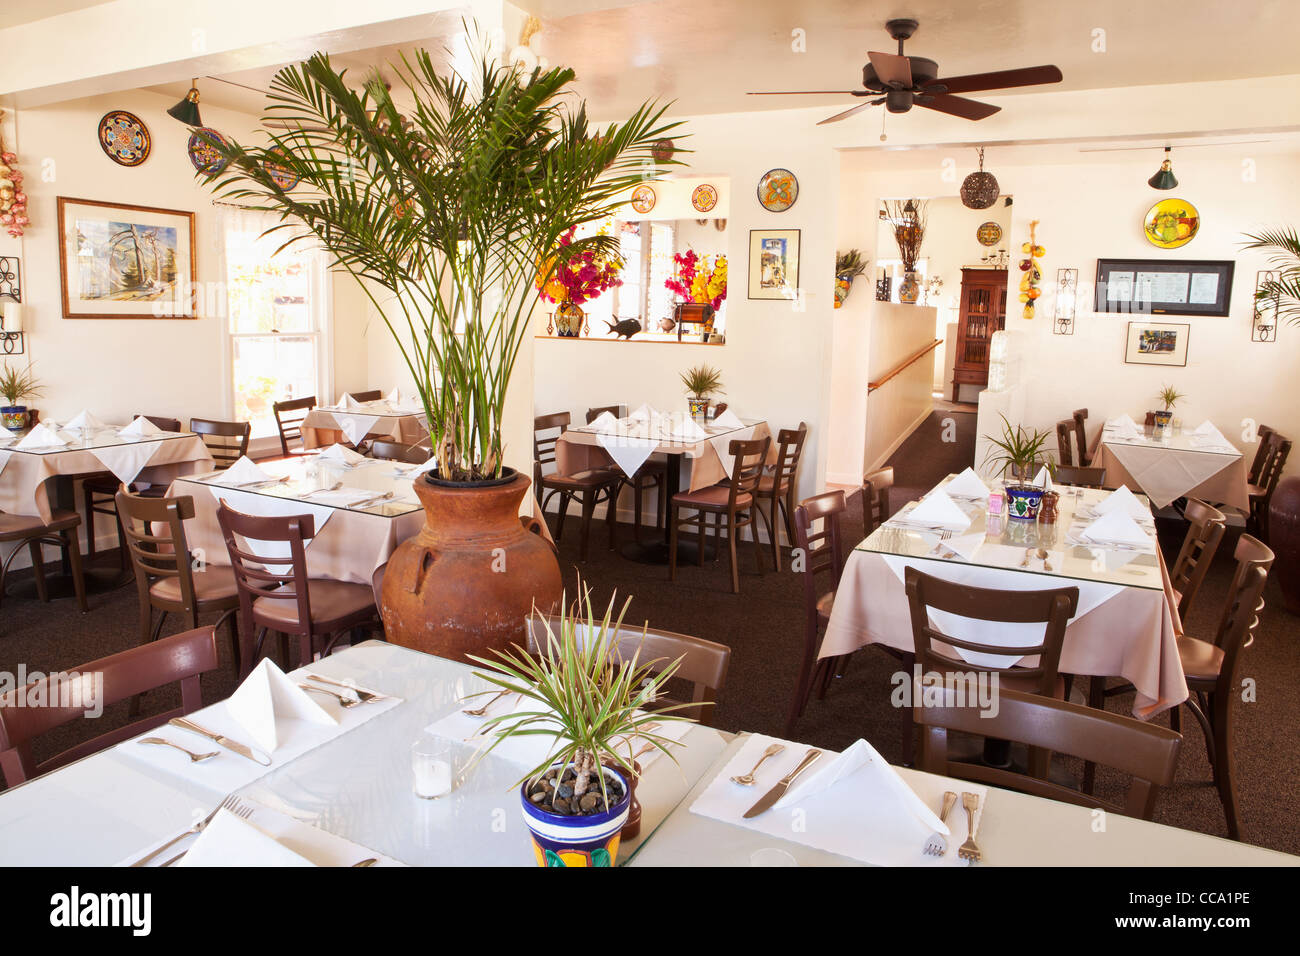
900	82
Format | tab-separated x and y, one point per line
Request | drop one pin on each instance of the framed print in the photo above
1164	286
1157	343
119	261
773	263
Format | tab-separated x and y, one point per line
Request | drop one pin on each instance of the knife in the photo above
232	745
776	793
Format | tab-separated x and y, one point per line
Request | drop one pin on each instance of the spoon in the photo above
369	861
480	711
194	758
747	779
369	502
1028	553
1047	565
345	701
320	491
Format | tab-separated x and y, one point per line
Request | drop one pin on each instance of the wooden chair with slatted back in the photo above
1205	529
180	658
1080	477
703	663
588	488
98	489
1086	451
399	451
289	417
1261	490
34	532
226	442
779	487
875	499
1146	752
1262	434
1065	442
652	475
373	395
823	564
719	408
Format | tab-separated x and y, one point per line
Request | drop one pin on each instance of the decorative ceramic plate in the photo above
124	138
777	190
704	198
203	155
663	150
988	233
1171	223
282	176
643	198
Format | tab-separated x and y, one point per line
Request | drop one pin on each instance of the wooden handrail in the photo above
872	386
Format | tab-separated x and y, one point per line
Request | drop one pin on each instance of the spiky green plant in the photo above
590	697
445	208
1285	289
1018	450
1169	395
702	381
850	264
18	383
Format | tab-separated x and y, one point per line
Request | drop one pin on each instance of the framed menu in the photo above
1164	286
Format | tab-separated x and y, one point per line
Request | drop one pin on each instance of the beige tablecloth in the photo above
1166	474
1133	635
22	482
321	428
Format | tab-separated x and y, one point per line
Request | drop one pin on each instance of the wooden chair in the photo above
590	488
1205	529
373	395
286	601
822	558
719	408
1065	441
34	532
736	501
703	663
226	442
98	490
779	487
1262	434
1265	483
1147	752
1080	477
875	499
289	418
1086	451
180	657
167	575
399	451
653	474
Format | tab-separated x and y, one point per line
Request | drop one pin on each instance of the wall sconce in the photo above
11	310
1263	324
1067	283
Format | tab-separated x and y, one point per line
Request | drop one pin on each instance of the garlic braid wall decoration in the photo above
13	201
1033	275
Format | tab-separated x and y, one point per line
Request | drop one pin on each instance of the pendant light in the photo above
1164	177
187	110
979	190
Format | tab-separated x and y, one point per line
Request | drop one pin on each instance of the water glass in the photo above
434	764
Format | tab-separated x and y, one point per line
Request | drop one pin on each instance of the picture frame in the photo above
1164	286
123	261
773	263
1157	343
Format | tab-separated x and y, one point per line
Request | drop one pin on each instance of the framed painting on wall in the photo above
1164	286
119	261
1157	343
773	263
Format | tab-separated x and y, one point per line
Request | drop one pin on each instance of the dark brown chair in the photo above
287	602
1265	483
227	442
289	418
653	474
822	557
703	663
779	487
1262	434
1205	529
374	395
734	503
1080	477
400	451
1146	752
1086	451
33	531
1065	441
590	488
168	576
180	657
875	499
719	408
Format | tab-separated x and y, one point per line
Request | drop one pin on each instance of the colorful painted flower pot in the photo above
698	406
843	285
587	840
15	417
910	289
569	320
1023	502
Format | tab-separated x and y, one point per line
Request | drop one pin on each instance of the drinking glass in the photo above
434	764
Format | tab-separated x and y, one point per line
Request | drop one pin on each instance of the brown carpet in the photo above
763	626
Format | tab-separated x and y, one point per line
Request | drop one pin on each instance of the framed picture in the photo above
773	263
119	261
1157	343
1164	286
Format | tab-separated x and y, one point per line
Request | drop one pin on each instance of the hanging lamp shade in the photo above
979	190
1164	177
187	110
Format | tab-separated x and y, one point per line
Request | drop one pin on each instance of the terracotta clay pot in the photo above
466	583
1284	539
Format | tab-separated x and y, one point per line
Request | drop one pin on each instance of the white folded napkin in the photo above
939	510
1205	428
140	428
267	697
7	437
605	423
337	452
628	453
967	485
243	472
1043	479
728	419
42	436
686	427
394	397
964	545
230	841
347	401
645	413
1121	420
1117	527
1121	499
84	421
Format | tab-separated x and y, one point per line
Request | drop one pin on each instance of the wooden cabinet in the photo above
983	312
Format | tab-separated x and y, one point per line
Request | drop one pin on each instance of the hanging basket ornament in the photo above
979	190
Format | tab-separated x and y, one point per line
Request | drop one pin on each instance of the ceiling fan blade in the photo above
807	92
956	106
847	113
893	70
999	79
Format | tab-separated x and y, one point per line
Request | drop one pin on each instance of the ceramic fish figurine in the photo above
625	328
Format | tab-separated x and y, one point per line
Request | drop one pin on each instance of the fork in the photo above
320	491
968	850
231	803
747	779
937	845
368	502
366	695
194	758
343	699
480	711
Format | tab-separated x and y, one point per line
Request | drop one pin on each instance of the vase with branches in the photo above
848	266
909	220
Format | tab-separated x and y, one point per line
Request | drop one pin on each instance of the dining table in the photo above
1169	463
1126	624
325	425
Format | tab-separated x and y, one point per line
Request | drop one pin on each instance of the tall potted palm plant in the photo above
445	207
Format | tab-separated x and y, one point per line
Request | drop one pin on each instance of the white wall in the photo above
896	408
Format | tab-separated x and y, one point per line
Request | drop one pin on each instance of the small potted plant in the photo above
1169	397
848	266
1018	451
17	384
701	382
592	702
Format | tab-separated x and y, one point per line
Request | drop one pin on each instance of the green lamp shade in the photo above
1164	177
187	110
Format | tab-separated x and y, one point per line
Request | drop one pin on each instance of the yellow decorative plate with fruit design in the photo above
1171	223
